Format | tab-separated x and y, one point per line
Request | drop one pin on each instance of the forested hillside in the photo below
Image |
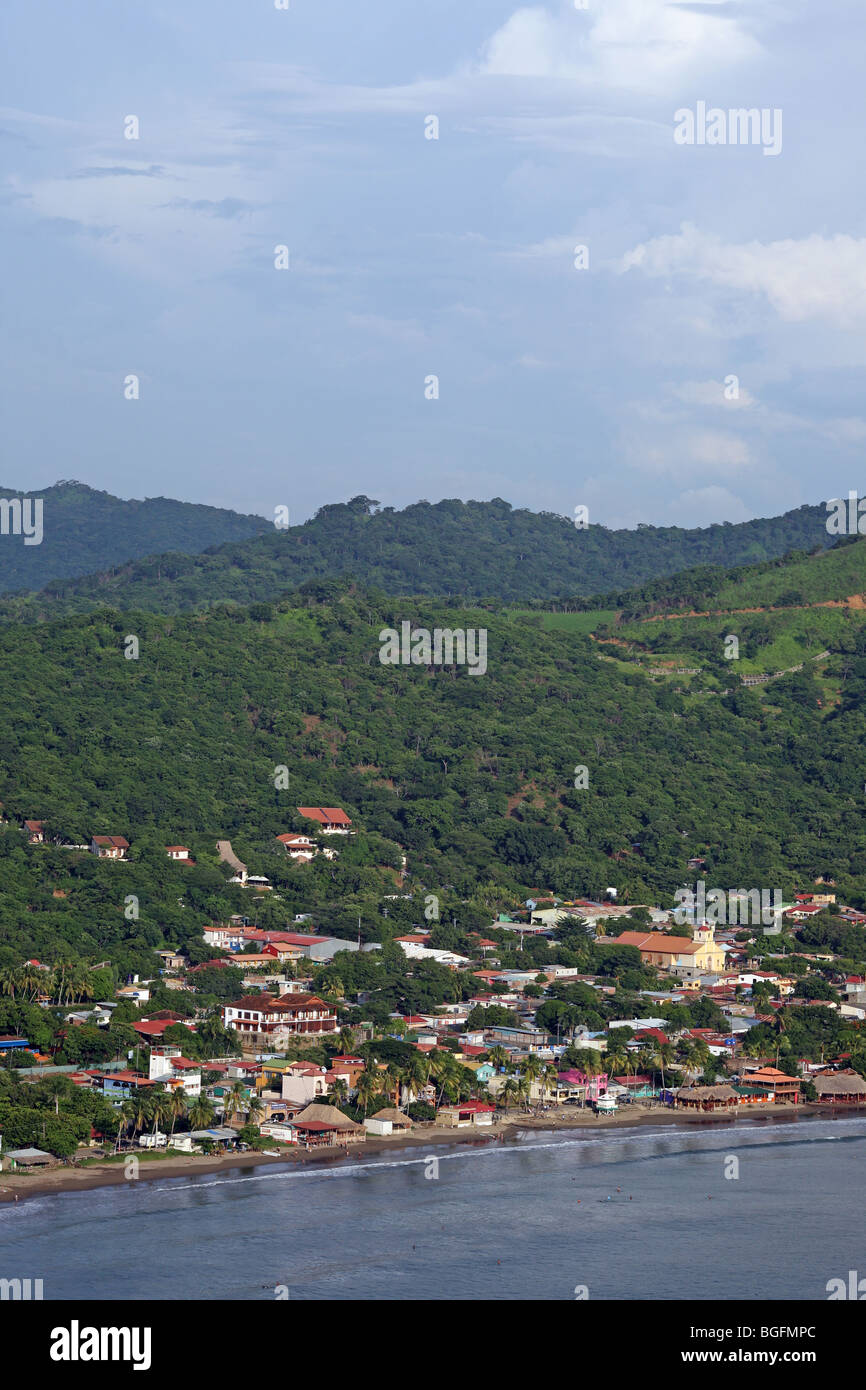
789	581
469	550
472	776
86	530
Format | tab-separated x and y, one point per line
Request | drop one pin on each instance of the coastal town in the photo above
272	1043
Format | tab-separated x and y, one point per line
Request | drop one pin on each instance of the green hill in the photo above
795	579
471	776
470	550
84	530
784	614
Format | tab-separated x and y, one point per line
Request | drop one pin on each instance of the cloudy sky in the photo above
412	257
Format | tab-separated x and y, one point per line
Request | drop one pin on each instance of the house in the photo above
348	1069
109	846
303	1082
388	1121
578	1085
118	1086
298	846
804	911
27	1158
324	1125
134	994
466	1113
413	951
177	852
276	1019
150	1030
332	820
172	960
35	834
637	1087
220	1136
526	1039
179	1073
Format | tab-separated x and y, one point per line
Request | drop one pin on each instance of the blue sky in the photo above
454	257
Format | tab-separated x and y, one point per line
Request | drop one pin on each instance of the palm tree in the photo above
394	1077
347	1040
57	1086
140	1113
160	1109
234	1102
338	1094
509	1090
201	1113
255	1108
31	980
125	1121
368	1088
532	1070
177	1107
417	1074
10	980
549	1081
498	1058
445	1068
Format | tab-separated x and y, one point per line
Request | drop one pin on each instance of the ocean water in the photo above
624	1214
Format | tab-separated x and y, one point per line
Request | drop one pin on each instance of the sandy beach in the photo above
65	1178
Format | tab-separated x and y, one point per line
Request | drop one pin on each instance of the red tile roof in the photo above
325	815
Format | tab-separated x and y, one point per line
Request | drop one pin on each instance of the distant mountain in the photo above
450	548
85	530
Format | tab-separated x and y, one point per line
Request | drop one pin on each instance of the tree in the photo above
178	1105
201	1113
368	1088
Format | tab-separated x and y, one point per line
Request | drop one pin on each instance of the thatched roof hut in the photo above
329	1116
397	1118
707	1097
841	1087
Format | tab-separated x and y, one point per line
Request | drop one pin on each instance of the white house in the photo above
176	1071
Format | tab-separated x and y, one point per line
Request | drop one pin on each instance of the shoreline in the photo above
17	1186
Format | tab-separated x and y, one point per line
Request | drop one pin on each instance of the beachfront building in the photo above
706	1098
466	1113
775	1083
388	1121
840	1088
325	1125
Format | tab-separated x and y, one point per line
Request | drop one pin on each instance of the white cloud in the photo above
814	277
642	45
